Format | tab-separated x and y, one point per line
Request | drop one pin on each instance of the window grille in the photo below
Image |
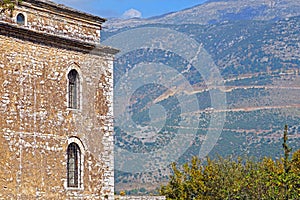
73	165
73	89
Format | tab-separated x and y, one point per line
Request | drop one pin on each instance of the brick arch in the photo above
75	139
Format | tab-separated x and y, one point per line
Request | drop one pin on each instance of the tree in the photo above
296	162
228	178
187	183
295	168
8	5
286	150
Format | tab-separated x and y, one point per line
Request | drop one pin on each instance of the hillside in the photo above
216	11
258	57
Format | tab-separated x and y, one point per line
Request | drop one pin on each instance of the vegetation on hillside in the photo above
227	178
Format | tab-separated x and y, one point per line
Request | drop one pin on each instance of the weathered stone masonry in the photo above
36	125
48	17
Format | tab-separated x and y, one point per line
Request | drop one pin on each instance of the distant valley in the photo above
256	48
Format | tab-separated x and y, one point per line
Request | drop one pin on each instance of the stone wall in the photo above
36	123
52	18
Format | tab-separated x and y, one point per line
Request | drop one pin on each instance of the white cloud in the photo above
132	13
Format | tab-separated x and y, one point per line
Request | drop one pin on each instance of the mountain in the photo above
255	46
215	11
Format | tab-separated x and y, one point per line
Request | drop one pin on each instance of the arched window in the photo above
74	165
20	19
73	87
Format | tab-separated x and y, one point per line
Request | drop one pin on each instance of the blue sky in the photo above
129	8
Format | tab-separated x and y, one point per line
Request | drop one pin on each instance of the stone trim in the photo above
18	32
25	15
77	141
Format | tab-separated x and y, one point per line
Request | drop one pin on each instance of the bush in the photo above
226	178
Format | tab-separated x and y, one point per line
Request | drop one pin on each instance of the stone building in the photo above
56	116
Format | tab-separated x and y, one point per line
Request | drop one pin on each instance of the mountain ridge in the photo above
218	11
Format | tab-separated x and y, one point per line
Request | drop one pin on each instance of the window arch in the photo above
73	89
74	166
20	19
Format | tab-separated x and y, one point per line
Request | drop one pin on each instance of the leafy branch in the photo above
8	5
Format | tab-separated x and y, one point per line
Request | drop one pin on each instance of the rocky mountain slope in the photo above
256	48
215	11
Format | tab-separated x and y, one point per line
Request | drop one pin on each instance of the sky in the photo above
129	8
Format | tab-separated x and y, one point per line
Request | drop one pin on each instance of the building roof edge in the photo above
46	4
11	30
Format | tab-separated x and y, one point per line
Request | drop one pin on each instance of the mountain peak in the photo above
216	11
